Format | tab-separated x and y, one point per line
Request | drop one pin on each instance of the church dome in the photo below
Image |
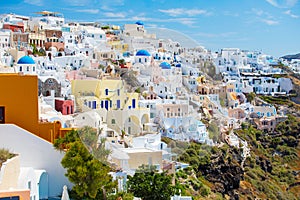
142	53
26	60
165	65
139	23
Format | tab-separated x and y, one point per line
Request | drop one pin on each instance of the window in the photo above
118	103
106	92
27	68
2	115
20	69
94	105
133	103
113	121
168	109
118	92
29	185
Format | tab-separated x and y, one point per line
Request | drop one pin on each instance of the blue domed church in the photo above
26	65
143	56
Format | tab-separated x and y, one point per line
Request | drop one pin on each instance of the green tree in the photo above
251	96
148	184
89	175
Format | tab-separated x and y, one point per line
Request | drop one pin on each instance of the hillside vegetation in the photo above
271	172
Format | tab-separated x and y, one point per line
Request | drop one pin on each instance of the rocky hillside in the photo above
290	57
271	172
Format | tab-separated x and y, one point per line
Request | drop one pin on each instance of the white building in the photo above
37	154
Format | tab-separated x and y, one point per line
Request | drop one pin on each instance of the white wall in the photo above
36	153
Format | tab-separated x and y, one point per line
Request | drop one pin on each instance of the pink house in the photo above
266	124
236	113
66	107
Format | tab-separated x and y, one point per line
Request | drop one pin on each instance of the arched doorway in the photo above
43	186
145	119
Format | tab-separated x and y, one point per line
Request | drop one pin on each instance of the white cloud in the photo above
115	14
258	12
106	8
289	13
174	12
89	11
187	22
270	21
34	2
282	3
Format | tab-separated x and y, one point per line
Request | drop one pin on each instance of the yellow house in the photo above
118	45
104	93
123	113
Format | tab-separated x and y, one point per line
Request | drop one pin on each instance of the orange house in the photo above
19	105
15	194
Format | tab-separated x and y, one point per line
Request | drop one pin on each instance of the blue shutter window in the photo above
133	103
118	104
106	105
94	104
102	104
106	92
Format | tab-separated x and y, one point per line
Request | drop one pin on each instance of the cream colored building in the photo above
129	120
133	158
123	111
105	93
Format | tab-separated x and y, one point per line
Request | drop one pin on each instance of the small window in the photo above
20	69
27	68
106	92
113	121
29	185
2	115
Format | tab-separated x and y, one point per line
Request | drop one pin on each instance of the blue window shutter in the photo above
133	103
106	105
118	104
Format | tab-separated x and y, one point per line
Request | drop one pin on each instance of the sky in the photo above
271	26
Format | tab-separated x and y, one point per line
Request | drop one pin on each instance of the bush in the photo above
204	191
5	155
